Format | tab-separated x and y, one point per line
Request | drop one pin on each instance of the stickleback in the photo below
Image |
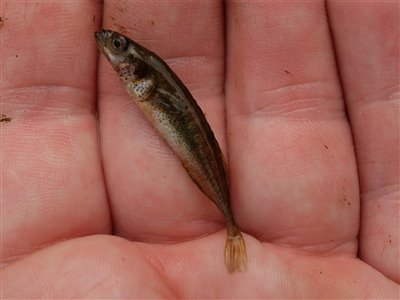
174	113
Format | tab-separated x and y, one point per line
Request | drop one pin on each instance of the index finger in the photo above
293	169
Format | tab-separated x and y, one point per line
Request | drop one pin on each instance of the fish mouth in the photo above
101	37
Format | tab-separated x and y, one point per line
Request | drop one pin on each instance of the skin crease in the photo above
316	227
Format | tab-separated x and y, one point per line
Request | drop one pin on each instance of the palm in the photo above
294	180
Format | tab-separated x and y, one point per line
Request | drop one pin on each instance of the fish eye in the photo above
119	43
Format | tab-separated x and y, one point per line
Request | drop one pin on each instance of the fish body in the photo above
172	110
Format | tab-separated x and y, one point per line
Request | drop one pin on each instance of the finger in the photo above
151	195
293	174
52	186
367	41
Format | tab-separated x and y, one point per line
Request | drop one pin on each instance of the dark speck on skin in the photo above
122	29
2	20
5	119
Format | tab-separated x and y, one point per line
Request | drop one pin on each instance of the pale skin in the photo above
94	204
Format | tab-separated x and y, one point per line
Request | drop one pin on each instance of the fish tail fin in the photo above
235	251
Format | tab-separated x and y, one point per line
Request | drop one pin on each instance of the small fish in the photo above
172	110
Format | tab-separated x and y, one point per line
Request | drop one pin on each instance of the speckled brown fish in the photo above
174	113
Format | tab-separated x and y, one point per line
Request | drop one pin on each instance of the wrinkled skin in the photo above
104	209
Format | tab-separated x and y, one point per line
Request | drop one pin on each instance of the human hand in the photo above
104	209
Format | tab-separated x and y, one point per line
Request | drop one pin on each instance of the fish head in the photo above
125	55
113	45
